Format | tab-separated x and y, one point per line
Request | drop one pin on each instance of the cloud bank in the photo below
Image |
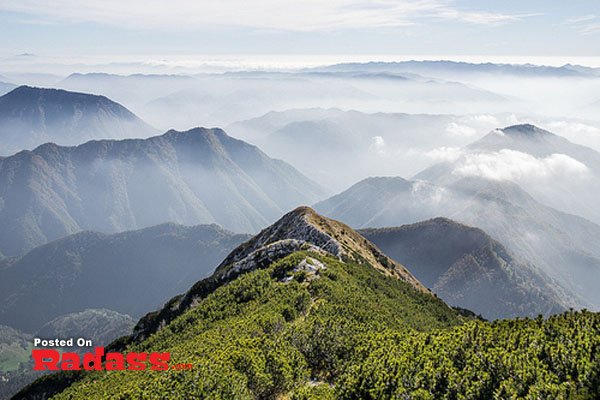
517	166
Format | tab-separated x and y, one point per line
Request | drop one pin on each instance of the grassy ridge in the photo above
263	336
347	331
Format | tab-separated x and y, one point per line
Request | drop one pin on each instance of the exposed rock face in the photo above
293	229
304	225
267	254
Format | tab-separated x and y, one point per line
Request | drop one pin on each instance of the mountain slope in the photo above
299	230
557	172
469	269
127	272
31	116
193	177
308	324
563	246
280	309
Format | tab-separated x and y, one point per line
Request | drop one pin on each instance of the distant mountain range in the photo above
193	177
31	116
353	145
563	246
453	68
221	99
128	272
469	269
554	170
6	87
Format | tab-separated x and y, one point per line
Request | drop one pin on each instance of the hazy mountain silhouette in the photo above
193	177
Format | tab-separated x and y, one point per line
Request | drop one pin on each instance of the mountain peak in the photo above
301	229
30	116
53	93
198	130
304	229
527	130
521	137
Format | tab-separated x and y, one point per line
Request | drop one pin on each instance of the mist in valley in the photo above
438	124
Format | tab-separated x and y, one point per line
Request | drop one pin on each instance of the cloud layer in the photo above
305	15
517	166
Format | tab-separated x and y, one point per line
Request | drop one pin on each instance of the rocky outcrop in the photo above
299	230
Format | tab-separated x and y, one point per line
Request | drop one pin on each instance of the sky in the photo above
549	28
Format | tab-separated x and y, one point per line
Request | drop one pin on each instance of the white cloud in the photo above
591	29
485	119
483	17
378	145
517	166
305	15
458	130
581	18
444	154
578	132
424	192
574	128
586	24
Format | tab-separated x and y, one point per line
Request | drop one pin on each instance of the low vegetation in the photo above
351	332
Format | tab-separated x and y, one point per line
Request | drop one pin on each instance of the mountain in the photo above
561	245
128	272
31	116
444	68
193	177
301	230
353	145
557	172
469	269
220	99
308	309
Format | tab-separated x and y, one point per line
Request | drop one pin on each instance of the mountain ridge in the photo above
128	272
556	171
309	325
193	177
301	229
560	244
31	116
468	268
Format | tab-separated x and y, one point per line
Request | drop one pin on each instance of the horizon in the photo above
182	64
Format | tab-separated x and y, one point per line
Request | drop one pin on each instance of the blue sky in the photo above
443	27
